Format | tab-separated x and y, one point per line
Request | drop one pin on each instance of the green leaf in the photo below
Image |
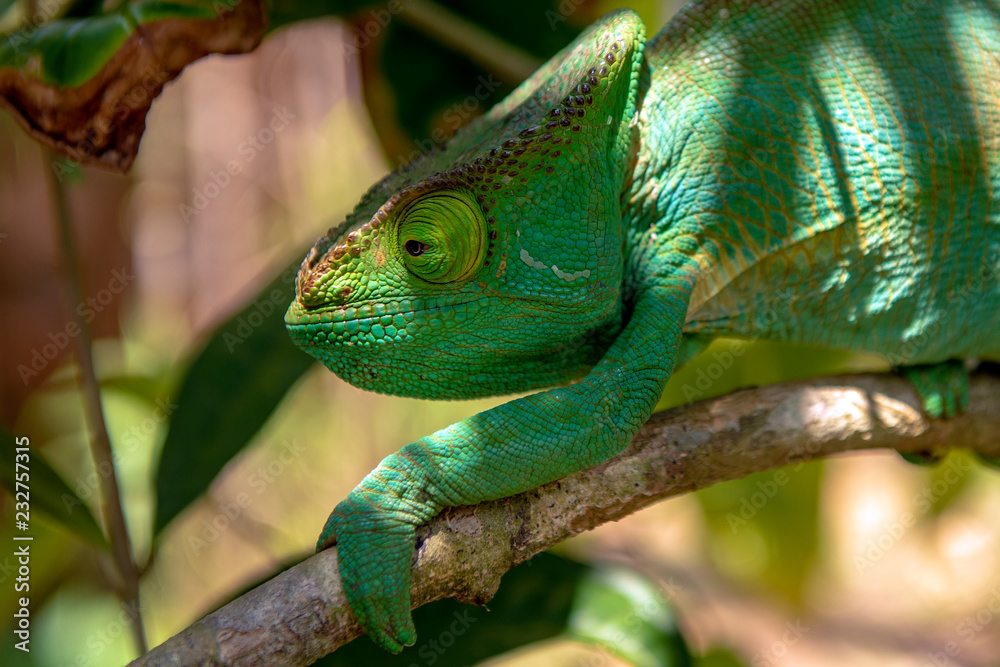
230	390
763	528
142	387
719	657
69	52
82	85
630	616
47	492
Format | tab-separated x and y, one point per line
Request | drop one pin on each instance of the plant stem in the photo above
100	443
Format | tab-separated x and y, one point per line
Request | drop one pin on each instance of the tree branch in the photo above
301	614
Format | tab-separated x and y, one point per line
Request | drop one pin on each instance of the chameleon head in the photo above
423	299
494	264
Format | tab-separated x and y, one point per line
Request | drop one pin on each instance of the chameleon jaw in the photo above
375	323
378	350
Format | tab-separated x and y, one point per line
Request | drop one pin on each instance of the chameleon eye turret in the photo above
442	236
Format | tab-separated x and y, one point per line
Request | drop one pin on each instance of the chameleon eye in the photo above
442	236
415	248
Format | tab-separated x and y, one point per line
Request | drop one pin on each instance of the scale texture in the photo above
808	171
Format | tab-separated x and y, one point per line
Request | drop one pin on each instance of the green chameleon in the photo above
818	172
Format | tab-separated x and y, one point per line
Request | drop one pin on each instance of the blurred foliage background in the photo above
861	560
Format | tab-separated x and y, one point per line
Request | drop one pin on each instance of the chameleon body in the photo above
796	170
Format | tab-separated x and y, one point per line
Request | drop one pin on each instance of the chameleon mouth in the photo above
373	323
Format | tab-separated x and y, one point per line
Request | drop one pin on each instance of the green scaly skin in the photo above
807	171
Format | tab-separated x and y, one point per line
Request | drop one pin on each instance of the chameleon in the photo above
807	171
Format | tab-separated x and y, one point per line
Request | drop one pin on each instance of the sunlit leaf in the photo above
16	14
763	528
46	490
143	387
630	616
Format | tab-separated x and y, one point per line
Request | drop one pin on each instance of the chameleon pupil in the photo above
415	248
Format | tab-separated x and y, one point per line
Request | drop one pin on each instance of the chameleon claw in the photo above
391	629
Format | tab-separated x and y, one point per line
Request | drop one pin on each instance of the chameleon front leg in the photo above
509	449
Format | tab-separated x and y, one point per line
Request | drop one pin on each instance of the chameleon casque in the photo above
635	199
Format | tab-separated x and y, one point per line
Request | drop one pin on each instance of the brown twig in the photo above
100	444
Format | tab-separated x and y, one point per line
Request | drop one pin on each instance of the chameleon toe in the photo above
943	388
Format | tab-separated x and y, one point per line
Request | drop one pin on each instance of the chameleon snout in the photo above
325	293
325	277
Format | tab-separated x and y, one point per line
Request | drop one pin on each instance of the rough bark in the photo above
301	615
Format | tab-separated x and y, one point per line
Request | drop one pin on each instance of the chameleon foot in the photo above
943	388
374	552
944	393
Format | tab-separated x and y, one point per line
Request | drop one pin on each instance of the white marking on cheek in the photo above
570	276
526	256
535	264
531	261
